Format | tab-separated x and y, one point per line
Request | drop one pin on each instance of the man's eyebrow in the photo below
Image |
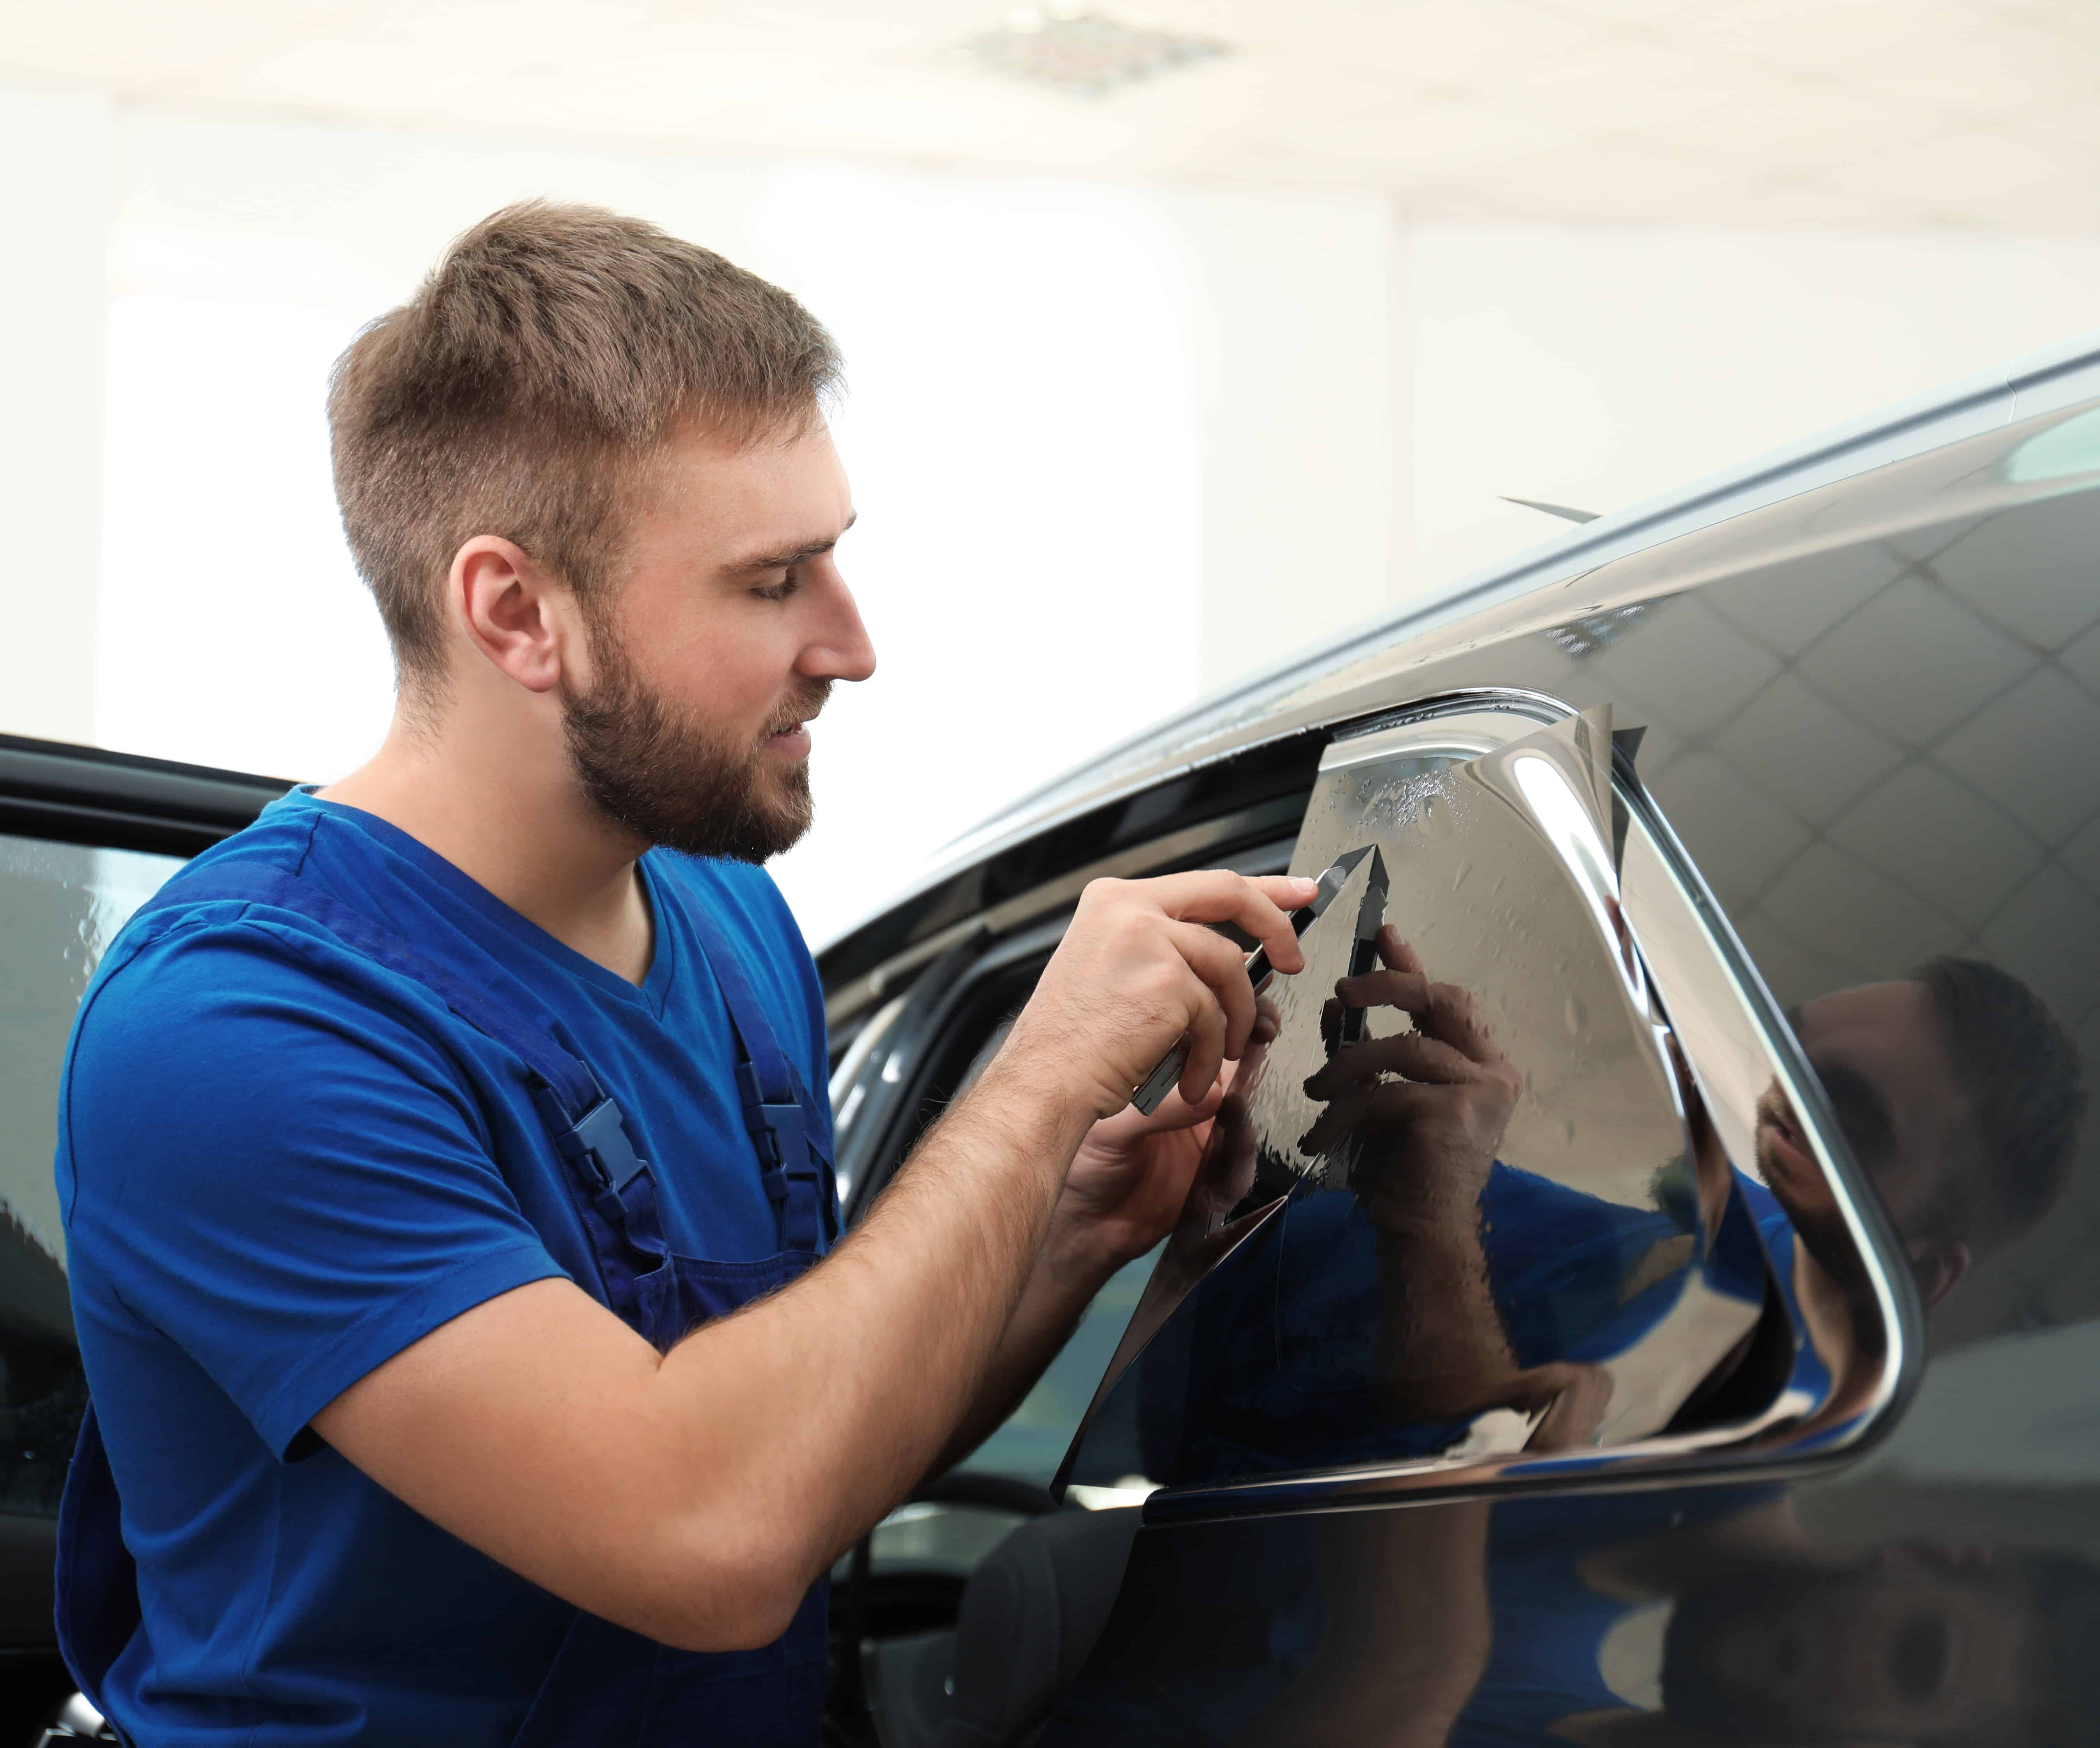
786	561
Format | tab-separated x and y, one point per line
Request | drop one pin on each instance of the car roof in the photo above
1344	675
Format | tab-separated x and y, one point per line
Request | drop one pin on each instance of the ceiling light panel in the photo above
1088	54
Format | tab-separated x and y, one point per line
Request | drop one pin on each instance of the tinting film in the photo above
1469	1203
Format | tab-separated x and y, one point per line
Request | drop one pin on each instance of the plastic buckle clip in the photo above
776	1129
600	1136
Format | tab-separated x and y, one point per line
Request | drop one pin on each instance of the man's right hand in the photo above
1137	969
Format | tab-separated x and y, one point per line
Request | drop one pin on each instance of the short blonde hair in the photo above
549	356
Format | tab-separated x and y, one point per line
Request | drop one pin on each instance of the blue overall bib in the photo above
607	1687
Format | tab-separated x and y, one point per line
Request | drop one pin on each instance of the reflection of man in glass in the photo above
1958	1090
1744	1629
1547	1621
1960	1095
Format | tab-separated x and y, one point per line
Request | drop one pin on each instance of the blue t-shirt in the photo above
279	1164
1283	1371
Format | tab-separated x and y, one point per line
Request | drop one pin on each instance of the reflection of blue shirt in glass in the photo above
1811	1376
1546	1659
1284	1370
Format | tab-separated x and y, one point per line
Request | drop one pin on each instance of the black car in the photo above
1639	1291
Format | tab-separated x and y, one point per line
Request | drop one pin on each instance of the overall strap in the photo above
790	1130
581	1119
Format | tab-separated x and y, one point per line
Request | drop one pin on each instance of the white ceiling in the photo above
1887	114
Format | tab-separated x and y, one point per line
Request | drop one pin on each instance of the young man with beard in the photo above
417	1144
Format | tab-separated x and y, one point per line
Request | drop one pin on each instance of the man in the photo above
407	1136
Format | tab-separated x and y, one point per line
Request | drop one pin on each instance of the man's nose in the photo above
842	648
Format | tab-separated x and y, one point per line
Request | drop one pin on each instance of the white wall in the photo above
1596	368
1299	354
53	186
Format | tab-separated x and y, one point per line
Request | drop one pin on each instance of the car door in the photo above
910	1044
1817	957
85	837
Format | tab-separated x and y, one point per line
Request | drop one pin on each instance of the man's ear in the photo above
1937	1268
511	610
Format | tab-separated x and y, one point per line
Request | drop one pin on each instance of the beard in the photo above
674	785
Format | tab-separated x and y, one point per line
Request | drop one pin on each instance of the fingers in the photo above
1223	968
1380	1105
1395	951
1207	1051
1258	905
1137	969
1130	1125
1413	1054
1407	990
1444	1011
1455	1016
1221	1006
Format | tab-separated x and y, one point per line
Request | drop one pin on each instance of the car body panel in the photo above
1870	671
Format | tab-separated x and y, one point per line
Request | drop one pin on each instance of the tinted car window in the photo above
61	905
1468	1202
1911	779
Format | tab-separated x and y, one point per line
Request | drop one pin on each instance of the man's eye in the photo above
779	591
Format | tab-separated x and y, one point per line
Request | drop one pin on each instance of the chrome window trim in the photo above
1674	916
1466	723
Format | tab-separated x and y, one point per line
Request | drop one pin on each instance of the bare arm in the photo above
1122	1196
694	1496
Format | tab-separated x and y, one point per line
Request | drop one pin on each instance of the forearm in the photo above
1067	1275
827	1401
1441	1341
694	1496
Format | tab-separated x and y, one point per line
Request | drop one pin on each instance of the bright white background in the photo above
1112	443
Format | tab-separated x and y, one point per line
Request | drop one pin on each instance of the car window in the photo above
1032	1440
1906	791
1492	1188
61	906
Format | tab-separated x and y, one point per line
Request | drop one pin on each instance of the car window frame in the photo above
1471	723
